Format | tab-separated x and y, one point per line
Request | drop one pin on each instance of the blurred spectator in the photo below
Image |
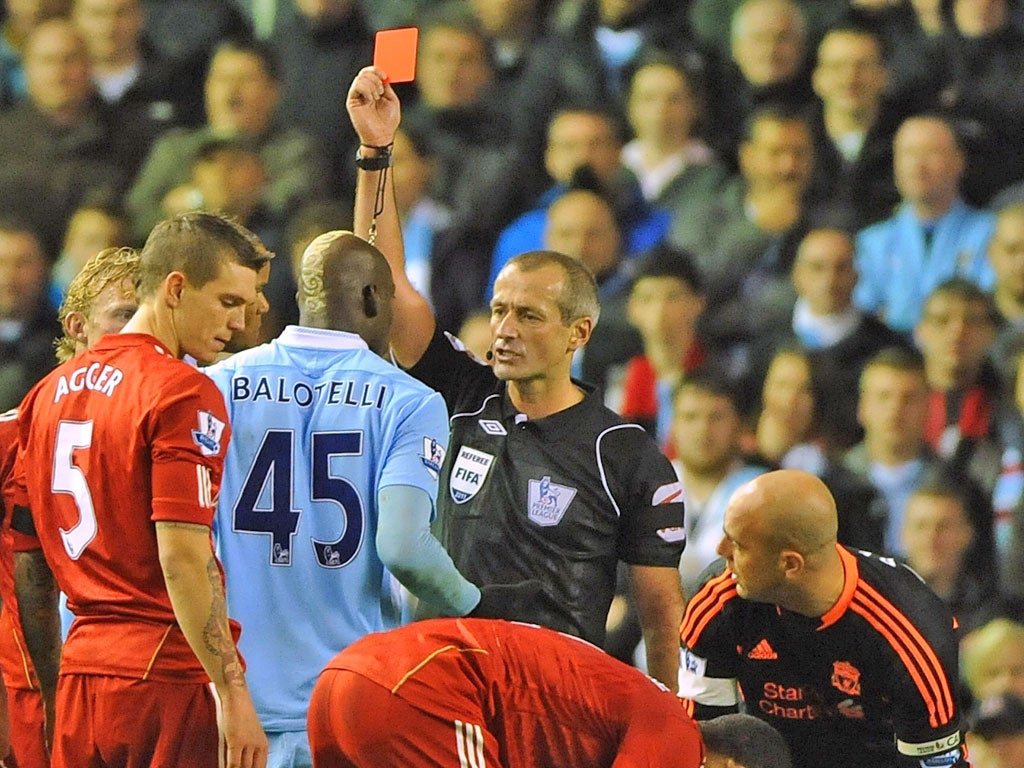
676	169
321	47
933	236
581	224
938	539
787	436
479	174
92	227
534	71
1006	257
584	146
1008	495
28	322
422	216
616	34
992	659
984	93
665	300
955	334
190	30
712	20
750	231
187	33
21	17
242	88
450	274
912	32
228	177
767	65
838	338
126	71
997	732
853	128
62	145
894	456
706	431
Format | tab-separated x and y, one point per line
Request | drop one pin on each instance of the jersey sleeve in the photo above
420	443
189	437
709	667
14	486
452	370
927	717
651	502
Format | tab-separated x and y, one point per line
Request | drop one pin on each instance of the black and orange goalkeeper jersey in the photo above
871	684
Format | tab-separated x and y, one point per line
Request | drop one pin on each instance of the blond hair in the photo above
111	266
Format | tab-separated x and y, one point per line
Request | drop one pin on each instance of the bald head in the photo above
794	510
345	284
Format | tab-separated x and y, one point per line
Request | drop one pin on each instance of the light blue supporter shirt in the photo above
319	425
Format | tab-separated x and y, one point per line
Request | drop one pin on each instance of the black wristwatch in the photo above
379	163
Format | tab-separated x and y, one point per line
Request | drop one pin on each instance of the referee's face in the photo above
530	341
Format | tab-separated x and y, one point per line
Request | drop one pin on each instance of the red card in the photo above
394	52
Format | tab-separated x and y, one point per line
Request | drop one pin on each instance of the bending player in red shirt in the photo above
122	451
496	694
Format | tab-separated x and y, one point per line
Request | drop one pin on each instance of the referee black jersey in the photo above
870	684
561	499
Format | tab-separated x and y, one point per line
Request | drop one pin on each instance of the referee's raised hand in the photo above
373	108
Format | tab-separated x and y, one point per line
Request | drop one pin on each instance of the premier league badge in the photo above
548	501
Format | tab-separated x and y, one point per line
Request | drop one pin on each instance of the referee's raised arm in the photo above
375	112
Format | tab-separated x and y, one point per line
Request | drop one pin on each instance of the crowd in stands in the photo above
806	217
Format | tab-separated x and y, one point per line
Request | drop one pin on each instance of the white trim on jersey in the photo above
600	464
469	738
205	486
477	412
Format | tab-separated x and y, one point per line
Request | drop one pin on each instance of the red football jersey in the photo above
112	441
548	698
14	659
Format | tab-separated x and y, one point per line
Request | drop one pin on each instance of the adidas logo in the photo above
762	651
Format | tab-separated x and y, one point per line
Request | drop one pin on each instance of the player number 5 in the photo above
69	478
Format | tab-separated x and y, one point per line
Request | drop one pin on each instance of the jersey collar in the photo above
851	575
321	338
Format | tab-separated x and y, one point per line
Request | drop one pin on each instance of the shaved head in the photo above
780	542
794	509
345	284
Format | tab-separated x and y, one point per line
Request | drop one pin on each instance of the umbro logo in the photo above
762	652
492	427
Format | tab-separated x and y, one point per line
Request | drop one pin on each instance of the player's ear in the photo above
173	288
74	326
792	562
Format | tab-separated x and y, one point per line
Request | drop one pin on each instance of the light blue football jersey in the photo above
319	424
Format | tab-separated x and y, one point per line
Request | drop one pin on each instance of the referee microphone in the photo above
489	354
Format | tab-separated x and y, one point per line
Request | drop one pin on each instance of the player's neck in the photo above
147	320
822	589
542	397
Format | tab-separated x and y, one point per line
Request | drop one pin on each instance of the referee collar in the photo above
561	423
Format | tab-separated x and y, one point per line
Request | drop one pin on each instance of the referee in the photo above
540	481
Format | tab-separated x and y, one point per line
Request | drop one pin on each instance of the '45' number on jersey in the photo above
274	464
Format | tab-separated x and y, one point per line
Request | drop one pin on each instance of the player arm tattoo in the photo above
216	634
37	592
196	591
